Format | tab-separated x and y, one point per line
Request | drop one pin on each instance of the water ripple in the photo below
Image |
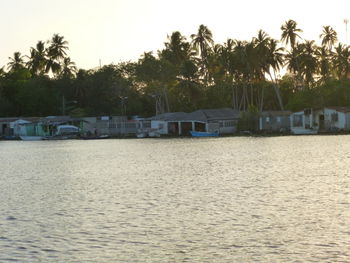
282	199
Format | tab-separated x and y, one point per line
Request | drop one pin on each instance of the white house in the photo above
304	122
334	119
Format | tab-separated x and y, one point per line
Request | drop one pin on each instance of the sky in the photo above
113	31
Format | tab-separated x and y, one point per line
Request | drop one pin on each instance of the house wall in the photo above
113	126
274	123
331	124
227	126
213	127
160	126
7	130
297	120
347	121
88	124
119	128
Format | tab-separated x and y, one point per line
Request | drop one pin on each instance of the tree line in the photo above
187	74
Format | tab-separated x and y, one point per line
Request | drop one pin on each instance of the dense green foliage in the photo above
187	74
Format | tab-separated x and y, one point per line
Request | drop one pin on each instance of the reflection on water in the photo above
282	199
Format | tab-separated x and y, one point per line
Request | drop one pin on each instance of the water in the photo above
281	199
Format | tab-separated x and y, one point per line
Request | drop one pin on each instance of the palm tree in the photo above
275	59
58	47
56	52
202	42
290	33
16	62
324	63
262	38
2	72
341	61
216	63
68	68
308	61
290	36
261	44
37	59
329	37
177	49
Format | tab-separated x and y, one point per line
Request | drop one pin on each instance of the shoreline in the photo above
253	135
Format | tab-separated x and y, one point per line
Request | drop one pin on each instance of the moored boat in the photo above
204	134
31	138
141	135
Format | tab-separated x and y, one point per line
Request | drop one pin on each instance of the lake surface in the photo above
239	199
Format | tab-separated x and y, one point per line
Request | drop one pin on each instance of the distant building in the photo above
305	122
331	119
274	121
223	121
113	125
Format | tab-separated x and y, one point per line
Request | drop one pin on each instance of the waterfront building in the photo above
223	121
275	121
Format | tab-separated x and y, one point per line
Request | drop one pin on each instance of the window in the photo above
229	123
278	119
297	120
267	119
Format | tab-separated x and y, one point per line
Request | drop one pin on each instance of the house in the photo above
224	119
43	127
113	125
168	123
305	122
274	121
9	127
332	119
5	126
208	120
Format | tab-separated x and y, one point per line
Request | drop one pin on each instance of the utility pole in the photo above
346	21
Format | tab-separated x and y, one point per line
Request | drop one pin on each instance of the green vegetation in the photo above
187	74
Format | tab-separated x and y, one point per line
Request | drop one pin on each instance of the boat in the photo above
31	138
55	137
303	131
141	134
153	133
67	130
204	134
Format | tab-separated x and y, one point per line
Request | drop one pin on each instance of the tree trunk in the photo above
277	92
166	99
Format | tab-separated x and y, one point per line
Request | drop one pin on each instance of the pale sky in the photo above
121	30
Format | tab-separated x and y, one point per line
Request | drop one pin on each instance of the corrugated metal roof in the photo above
339	108
12	119
168	116
199	115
